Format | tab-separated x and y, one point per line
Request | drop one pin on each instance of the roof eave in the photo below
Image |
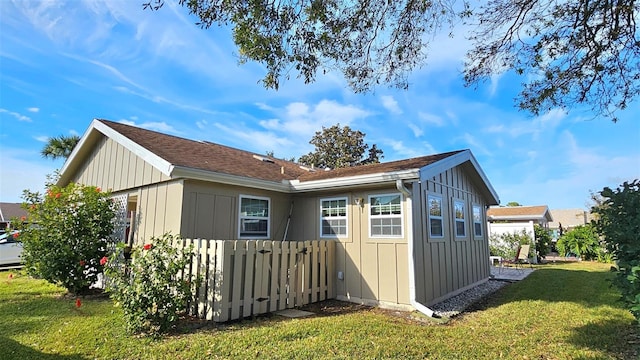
98	127
353	181
449	162
205	175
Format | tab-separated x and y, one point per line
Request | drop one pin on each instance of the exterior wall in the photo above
496	229
210	211
448	265
375	269
111	166
158	210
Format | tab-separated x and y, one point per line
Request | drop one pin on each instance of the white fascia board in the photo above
516	217
438	167
96	125
350	181
210	176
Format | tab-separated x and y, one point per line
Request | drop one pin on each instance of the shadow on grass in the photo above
12	349
608	333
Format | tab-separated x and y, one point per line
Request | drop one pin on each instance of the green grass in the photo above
566	311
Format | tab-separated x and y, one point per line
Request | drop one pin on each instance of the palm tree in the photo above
60	147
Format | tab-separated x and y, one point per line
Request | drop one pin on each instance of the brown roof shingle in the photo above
11	210
223	159
518	211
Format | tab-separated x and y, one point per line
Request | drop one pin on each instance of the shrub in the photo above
583	241
506	244
543	240
147	286
619	223
70	230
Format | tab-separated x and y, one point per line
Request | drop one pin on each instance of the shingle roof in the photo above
209	156
570	217
223	159
11	210
519	211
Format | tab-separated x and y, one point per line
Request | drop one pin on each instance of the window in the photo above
385	216
458	212
435	216
254	217
477	221
333	217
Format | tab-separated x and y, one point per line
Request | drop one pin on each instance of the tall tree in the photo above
573	52
59	147
340	147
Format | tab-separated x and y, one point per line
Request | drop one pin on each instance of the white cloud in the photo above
156	126
258	141
417	132
475	145
22	170
430	119
42	138
389	103
33	109
16	115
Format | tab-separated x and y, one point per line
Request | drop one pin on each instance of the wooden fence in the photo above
242	278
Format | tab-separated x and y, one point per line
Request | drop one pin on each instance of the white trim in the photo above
240	216
456	220
401	217
350	181
442	212
475	206
206	175
345	217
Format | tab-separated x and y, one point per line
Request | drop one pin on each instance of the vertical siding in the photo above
375	269
111	166
451	263
211	210
158	210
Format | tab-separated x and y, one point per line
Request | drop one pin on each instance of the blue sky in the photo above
65	63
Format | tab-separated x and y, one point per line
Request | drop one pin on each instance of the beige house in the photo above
409	233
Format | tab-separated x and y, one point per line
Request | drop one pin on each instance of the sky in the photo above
64	63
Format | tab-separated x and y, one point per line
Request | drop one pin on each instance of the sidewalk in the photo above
510	273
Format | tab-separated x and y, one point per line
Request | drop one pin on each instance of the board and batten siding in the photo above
158	210
210	210
111	166
375	269
447	266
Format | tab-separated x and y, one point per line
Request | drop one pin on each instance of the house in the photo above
567	219
408	233
510	219
9	211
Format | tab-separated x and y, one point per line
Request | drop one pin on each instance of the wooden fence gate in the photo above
241	278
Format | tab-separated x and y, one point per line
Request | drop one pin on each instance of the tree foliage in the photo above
506	244
574	52
513	203
543	240
338	147
69	230
581	241
619	222
60	146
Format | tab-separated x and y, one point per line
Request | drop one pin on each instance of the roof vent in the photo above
305	168
263	158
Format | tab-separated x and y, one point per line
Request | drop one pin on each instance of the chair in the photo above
522	256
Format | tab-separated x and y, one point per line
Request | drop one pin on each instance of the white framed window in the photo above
459	217
385	215
477	220
435	221
254	217
333	217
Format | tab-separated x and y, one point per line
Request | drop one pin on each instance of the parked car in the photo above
10	249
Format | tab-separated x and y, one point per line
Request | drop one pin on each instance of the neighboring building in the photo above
567	219
510	219
9	211
409	233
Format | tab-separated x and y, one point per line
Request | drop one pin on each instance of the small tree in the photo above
543	240
338	147
582	241
69	231
619	222
148	288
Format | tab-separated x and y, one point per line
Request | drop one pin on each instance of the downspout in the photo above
412	276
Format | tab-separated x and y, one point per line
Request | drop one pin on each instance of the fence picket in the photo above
241	278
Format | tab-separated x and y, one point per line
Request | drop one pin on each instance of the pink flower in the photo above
78	303
23	218
147	246
10	276
103	260
82	262
15	236
98	189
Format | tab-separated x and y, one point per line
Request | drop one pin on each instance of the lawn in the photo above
566	311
